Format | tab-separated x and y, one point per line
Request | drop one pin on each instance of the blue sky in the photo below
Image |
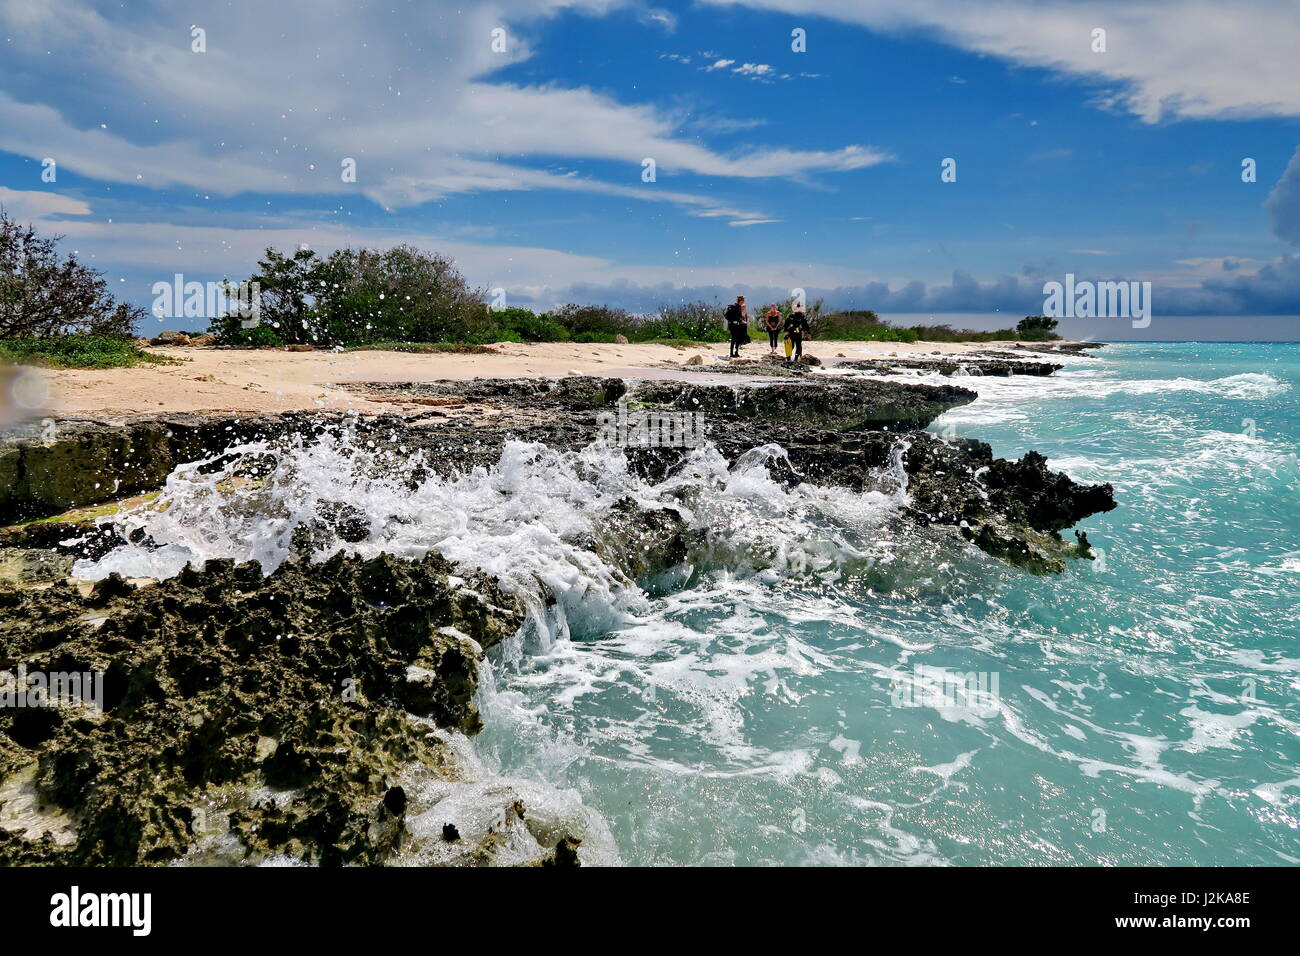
775	169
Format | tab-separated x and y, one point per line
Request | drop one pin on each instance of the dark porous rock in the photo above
566	853
642	542
30	567
835	405
765	366
280	709
575	391
334	522
1012	510
1067	348
85	461
956	365
824	404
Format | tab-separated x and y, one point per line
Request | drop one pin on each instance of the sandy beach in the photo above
270	380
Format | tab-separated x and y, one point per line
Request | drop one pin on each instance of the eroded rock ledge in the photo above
290	715
889	406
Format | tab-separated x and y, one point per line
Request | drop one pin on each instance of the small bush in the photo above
356	296
1037	328
861	325
522	325
259	336
869	333
79	350
692	321
593	323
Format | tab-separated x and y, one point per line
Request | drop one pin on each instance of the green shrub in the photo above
698	321
593	323
877	333
861	325
1037	328
946	333
355	296
257	337
79	350
523	325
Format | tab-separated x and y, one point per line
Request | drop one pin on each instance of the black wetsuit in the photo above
797	327
738	328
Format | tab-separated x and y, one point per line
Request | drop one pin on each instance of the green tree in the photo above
361	296
42	295
1037	328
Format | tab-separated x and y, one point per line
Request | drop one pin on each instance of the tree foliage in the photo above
357	297
43	295
1037	328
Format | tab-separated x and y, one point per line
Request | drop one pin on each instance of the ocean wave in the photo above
1007	399
529	521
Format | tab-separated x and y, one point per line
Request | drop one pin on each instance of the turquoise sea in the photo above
824	683
789	701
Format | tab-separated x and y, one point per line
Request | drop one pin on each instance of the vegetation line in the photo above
58	313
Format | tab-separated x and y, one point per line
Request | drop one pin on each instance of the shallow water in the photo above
1146	707
789	698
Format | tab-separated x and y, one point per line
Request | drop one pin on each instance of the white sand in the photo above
263	380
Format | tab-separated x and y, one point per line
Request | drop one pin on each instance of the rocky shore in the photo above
321	713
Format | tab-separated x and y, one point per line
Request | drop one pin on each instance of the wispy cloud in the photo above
254	114
762	72
1194	59
33	204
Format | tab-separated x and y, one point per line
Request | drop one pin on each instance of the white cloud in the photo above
528	273
1283	203
664	19
1182	59
34	205
119	96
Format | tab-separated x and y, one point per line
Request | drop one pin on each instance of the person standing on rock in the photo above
772	322
737	316
796	327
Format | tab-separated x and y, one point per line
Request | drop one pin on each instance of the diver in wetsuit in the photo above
796	327
738	325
